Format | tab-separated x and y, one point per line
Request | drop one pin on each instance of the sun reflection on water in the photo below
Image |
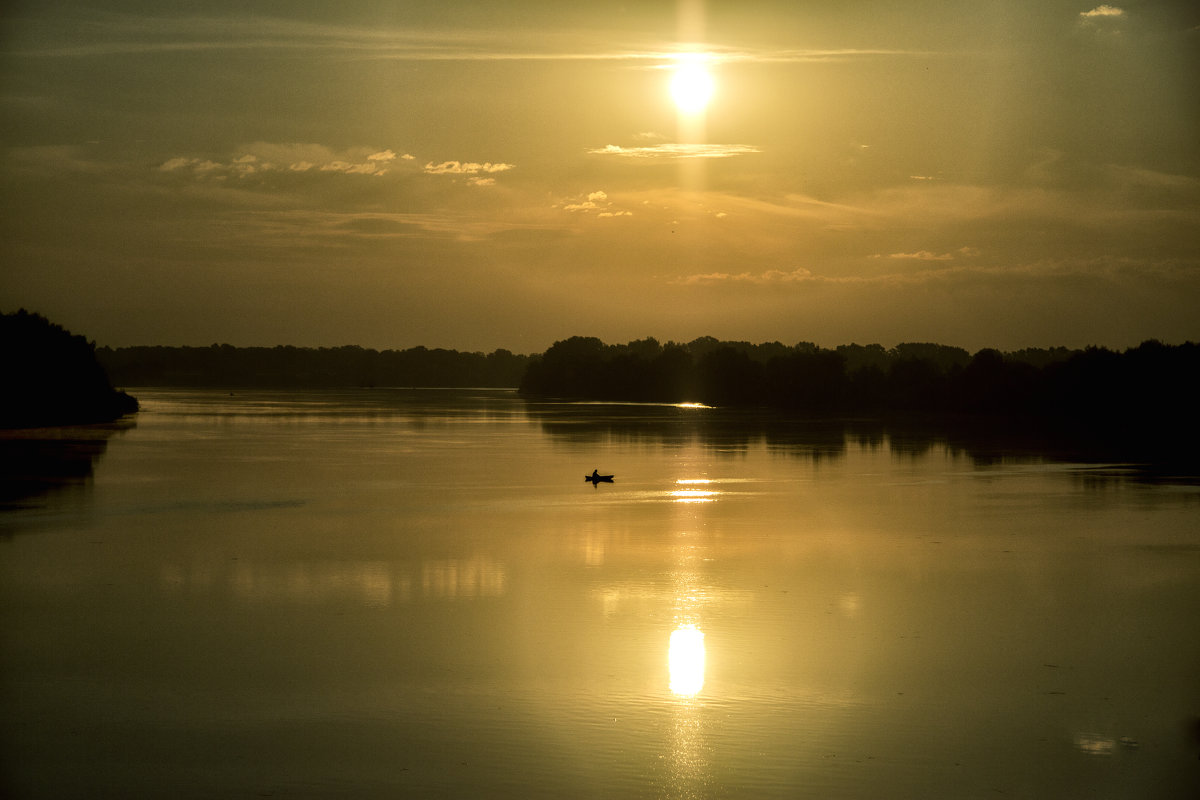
694	495
688	755
685	660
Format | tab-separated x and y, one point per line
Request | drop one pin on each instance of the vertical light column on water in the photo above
687	654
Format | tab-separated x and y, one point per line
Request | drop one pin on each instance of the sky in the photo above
482	175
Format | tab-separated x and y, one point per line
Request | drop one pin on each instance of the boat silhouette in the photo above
596	477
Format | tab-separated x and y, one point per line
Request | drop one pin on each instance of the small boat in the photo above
596	477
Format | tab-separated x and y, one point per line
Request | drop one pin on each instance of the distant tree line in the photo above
284	367
52	377
1144	391
1142	394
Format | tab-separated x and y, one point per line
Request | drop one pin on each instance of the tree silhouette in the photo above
1140	400
303	367
52	376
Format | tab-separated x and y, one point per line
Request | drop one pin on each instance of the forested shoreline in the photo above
52	376
222	365
1140	399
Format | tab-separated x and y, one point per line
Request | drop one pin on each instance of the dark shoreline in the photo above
53	377
75	411
1138	404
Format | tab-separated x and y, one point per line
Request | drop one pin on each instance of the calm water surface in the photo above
414	594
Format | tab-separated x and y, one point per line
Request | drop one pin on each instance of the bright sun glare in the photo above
691	88
685	660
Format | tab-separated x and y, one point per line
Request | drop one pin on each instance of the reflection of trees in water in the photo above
732	431
1138	402
985	442
1106	478
996	441
725	431
41	461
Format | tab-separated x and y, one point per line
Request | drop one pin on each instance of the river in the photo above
407	593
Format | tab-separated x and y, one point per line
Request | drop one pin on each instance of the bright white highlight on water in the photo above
685	660
693	496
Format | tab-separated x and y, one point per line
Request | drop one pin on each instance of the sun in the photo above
691	88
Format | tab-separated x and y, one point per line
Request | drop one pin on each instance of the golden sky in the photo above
483	175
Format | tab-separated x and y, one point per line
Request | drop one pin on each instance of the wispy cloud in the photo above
109	34
1126	176
926	255
1105	20
266	157
1100	12
596	202
288	228
922	255
465	168
1044	270
771	276
675	150
128	34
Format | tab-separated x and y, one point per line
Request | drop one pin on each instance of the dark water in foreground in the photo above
414	594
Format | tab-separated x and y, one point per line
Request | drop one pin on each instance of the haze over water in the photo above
412	593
